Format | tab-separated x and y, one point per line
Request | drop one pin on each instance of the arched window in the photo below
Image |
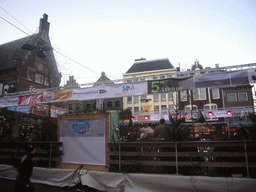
109	104
117	103
88	106
188	108
210	107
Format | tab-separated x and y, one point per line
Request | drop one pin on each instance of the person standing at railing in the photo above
160	130
25	171
147	131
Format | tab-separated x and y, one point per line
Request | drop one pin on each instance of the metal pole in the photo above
50	159
119	156
176	154
246	159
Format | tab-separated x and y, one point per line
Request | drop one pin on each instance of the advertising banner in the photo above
31	99
169	85
110	91
21	109
83	141
62	95
221	79
9	101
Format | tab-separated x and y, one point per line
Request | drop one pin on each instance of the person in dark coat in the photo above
25	171
160	130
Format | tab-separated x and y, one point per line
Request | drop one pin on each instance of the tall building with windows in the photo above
28	63
145	105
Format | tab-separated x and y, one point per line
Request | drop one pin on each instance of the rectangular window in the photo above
136	110
31	75
183	95
77	106
46	81
171	108
142	98
129	100
70	107
199	94
163	108
163	97
156	98
40	66
242	97
215	93
136	99
39	78
231	97
129	108
156	109
170	96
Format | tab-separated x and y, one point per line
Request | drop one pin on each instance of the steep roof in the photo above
103	80
12	50
150	65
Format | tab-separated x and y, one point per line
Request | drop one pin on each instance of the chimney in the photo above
44	26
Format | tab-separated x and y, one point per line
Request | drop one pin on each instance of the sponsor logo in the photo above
127	88
48	97
102	91
81	127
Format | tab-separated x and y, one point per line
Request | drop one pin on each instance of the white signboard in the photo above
110	91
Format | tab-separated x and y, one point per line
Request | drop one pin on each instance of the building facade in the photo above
145	105
28	63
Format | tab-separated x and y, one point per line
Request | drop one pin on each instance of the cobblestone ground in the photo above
8	186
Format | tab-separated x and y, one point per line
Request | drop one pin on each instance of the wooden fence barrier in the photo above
215	158
47	153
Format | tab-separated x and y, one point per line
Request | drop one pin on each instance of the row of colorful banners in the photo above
221	79
99	92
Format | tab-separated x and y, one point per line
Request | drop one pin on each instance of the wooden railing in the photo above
215	158
47	153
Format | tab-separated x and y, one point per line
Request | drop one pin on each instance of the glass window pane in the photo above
242	97
136	99
129	100
231	97
170	96
215	93
156	98
183	96
163	97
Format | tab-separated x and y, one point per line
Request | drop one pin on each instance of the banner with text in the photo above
83	141
221	79
110	91
170	85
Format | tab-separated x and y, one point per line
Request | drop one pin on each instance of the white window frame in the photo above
163	108
142	98
129	100
156	108
235	97
163	97
170	96
188	108
212	107
136	99
239	98
215	93
39	78
184	94
156	97
201	94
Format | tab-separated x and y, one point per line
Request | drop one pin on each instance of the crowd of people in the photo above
147	132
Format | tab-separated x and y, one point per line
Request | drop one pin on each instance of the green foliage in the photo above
177	131
125	130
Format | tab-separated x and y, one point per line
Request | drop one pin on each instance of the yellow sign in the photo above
146	108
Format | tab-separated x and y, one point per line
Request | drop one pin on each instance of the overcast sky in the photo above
108	35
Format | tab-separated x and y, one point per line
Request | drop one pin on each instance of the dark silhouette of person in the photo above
25	171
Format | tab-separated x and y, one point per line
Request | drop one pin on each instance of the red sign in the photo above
31	99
